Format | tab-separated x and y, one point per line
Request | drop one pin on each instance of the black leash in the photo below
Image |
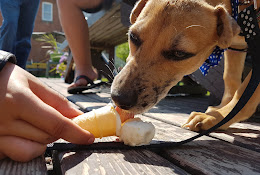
253	47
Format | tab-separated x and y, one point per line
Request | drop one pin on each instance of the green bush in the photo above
122	51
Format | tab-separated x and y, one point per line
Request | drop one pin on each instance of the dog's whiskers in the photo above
112	62
112	78
110	70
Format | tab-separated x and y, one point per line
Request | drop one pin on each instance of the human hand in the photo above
33	115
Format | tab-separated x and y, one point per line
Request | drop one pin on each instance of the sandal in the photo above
91	84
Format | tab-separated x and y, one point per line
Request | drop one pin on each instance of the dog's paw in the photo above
200	121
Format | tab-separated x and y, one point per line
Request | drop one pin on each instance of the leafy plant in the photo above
61	67
122	51
55	54
49	39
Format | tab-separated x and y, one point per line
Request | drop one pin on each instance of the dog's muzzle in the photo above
124	100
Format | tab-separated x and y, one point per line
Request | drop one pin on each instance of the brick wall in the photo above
37	53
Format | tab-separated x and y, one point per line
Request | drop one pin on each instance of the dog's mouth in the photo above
132	104
138	98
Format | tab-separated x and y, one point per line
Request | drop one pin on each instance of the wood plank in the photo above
34	167
113	37
113	40
108	24
113	162
103	19
206	155
107	31
117	162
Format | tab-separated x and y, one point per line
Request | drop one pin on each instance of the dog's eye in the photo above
177	55
135	39
180	54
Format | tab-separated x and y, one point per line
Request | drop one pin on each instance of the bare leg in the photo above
77	34
234	65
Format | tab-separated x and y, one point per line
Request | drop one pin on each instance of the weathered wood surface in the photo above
35	167
208	155
117	162
111	28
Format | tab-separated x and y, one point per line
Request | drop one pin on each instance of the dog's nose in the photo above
124	100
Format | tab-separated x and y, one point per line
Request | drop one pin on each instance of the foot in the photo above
91	74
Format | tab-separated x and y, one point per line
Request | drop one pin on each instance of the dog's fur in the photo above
172	38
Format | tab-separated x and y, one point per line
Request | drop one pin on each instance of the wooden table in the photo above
235	151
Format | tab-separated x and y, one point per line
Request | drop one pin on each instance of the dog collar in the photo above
218	53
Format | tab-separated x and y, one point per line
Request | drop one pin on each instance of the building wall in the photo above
38	53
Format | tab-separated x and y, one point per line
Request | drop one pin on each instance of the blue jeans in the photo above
17	27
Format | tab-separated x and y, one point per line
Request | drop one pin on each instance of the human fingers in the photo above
53	98
23	129
20	149
51	121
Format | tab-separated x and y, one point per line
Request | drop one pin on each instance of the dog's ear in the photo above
137	10
227	27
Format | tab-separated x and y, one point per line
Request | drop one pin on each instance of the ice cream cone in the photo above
106	121
101	122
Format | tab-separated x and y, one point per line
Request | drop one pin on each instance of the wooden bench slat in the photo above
117	162
105	17
106	26
34	167
111	28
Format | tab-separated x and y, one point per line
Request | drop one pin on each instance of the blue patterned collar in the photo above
218	53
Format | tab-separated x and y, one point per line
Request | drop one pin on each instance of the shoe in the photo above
91	84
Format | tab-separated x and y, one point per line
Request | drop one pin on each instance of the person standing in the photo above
17	27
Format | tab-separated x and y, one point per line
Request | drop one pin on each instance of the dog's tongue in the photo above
124	115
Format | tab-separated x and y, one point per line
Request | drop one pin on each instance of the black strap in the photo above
84	77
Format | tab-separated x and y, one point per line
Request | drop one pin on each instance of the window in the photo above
47	11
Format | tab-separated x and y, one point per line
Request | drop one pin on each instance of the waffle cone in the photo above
101	122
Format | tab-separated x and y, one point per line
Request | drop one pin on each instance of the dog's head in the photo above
168	39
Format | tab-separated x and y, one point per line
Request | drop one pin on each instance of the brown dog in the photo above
172	38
